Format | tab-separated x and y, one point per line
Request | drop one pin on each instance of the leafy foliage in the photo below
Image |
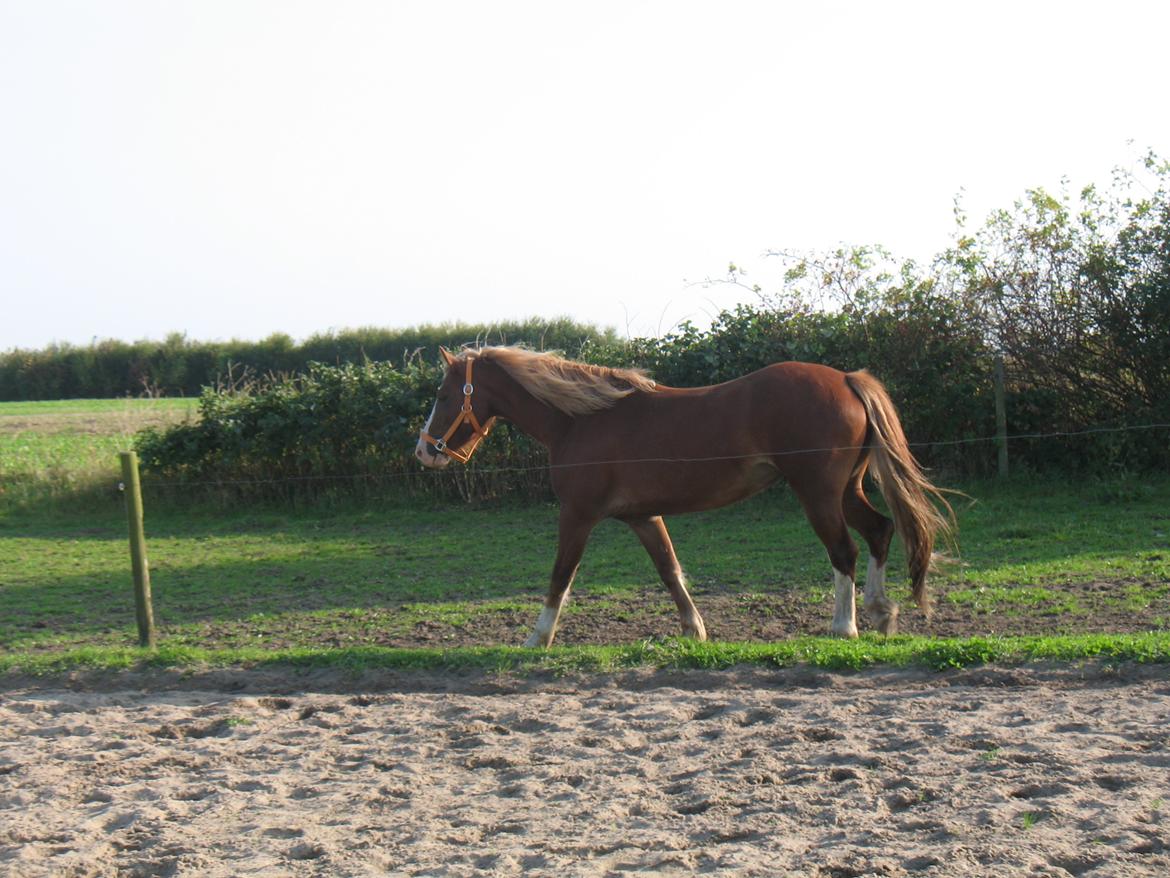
1075	293
335	430
178	366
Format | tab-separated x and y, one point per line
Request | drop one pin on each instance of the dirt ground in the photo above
992	771
772	617
1065	608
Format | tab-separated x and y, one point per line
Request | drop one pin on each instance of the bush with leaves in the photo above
178	366
346	430
1075	293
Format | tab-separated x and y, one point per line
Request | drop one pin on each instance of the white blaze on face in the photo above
423	453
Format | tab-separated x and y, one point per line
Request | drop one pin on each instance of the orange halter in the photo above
465	414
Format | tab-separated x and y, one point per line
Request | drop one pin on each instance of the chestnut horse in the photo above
621	446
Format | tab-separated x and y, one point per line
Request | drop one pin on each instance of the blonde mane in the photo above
572	387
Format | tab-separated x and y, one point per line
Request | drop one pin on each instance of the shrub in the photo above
178	366
346	430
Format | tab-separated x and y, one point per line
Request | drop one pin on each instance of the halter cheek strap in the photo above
478	432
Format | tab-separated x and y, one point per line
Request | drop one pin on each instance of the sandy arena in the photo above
1015	771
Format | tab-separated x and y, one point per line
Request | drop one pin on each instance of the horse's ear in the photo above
448	357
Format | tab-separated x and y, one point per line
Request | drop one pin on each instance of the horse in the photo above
622	446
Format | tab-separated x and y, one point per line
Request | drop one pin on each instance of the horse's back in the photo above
707	446
795	392
786	402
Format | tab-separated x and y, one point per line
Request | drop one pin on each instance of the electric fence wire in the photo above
436	473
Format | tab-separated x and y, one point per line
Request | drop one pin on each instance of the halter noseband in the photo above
465	414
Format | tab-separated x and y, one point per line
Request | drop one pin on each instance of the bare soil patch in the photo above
1072	608
113	422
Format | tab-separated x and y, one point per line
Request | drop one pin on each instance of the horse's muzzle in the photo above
428	457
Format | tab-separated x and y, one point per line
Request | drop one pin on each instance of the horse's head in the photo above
453	419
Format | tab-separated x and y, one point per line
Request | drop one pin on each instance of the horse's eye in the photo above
443	397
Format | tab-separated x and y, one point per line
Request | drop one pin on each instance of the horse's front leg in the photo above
655	539
573	534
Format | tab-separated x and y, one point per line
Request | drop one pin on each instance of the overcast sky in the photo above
234	169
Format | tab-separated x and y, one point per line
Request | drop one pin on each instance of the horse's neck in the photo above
539	420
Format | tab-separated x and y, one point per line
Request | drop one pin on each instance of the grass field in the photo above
58	450
1037	558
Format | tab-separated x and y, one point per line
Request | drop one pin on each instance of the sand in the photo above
1025	771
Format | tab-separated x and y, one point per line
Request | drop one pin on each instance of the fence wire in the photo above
439	473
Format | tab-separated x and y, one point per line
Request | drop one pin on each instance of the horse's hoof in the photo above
695	632
534	641
884	617
847	632
888	625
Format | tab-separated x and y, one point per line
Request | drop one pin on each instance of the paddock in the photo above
988	771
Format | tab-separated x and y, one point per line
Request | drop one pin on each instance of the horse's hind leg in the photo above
652	532
824	513
572	536
877	531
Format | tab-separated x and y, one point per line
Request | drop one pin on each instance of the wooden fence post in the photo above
1001	417
142	601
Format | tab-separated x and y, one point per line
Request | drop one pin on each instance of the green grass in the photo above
1033	531
1028	819
89	407
293	579
1013	600
72	570
672	653
68	572
58	451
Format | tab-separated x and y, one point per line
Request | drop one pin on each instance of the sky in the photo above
236	169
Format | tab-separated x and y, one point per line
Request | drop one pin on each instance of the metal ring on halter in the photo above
468	389
440	445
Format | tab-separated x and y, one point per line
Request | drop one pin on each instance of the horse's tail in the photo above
909	494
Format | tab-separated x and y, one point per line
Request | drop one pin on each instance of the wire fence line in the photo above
429	473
